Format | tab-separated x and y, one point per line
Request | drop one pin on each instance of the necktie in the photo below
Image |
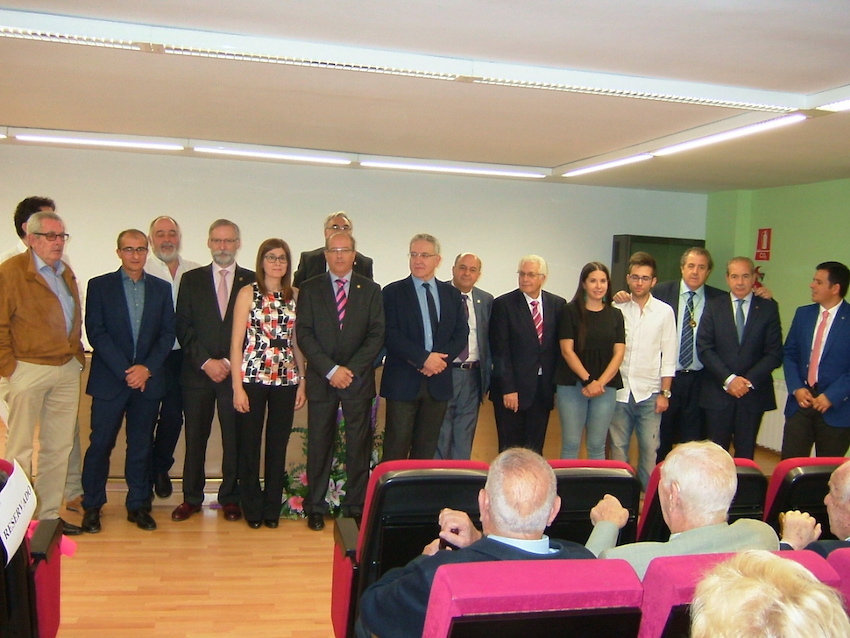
464	355
432	310
739	319
816	350
537	318
221	292
341	300
686	345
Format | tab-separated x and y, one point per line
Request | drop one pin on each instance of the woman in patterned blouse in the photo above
270	376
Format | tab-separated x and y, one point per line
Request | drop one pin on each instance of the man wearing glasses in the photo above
312	262
426	331
127	376
648	367
41	357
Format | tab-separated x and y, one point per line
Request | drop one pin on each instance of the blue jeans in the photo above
632	416
576	412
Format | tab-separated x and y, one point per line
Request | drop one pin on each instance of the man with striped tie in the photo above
340	330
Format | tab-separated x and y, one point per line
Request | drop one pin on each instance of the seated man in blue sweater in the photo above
518	502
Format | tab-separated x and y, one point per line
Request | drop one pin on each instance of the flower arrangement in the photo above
295	488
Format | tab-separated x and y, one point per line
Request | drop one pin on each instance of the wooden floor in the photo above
209	577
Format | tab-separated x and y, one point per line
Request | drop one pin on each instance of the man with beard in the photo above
167	264
204	322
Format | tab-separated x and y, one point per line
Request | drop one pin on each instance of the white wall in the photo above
99	193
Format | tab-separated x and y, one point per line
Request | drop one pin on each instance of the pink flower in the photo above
296	503
302	478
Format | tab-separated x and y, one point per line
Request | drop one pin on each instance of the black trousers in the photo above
276	406
805	428
683	420
734	423
524	428
321	436
413	427
170	422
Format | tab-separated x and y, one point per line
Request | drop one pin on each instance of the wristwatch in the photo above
587	381
666	394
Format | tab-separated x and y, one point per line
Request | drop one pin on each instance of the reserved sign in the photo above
17	507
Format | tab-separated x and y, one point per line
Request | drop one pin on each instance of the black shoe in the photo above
272	522
91	521
254	524
316	521
142	519
70	530
162	485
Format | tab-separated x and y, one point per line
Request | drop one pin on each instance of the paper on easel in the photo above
17	507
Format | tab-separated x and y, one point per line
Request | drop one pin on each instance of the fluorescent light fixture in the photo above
98	141
64	38
836	107
606	165
451	169
273	155
731	135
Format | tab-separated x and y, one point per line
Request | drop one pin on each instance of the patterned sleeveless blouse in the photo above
268	357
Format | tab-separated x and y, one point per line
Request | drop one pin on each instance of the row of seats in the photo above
596	599
404	498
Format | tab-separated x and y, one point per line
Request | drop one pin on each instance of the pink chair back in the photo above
839	559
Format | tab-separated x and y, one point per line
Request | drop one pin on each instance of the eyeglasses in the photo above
228	242
343	227
638	278
421	255
275	258
339	251
54	236
529	274
129	250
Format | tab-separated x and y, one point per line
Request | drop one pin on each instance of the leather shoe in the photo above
142	519
272	522
162	485
232	512
184	511
91	521
69	529
316	521
254	524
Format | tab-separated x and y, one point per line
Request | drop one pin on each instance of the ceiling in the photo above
784	52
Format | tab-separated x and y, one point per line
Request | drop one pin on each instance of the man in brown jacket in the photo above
41	355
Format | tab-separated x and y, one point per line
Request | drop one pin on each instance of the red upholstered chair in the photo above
839	559
403	502
801	484
581	484
592	598
748	502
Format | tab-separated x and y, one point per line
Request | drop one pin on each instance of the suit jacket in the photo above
825	547
405	339
745	533
396	604
517	353
111	336
201	331
759	353
482	303
834	368
323	343
312	263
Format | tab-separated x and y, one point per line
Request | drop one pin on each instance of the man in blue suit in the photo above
471	368
130	325
426	330
817	369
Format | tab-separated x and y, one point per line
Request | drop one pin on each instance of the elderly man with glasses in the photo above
312	262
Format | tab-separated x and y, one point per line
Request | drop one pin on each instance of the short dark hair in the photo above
641	258
838	274
25	210
696	250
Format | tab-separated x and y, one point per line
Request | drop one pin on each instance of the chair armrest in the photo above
45	539
346	534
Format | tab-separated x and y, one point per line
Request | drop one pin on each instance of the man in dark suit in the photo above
801	531
204	323
312	262
740	343
340	330
525	348
426	330
817	369
471	368
518	502
684	421
130	325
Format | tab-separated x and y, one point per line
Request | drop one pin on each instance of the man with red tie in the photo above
817	369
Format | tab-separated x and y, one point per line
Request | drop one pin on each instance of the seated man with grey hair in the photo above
517	503
697	485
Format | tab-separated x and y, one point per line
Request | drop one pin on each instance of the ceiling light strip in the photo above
606	165
455	170
836	107
64	38
81	141
269	155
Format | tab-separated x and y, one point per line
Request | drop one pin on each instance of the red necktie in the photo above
341	300
538	320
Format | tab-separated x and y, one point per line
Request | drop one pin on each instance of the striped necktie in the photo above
538	319
686	345
341	300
